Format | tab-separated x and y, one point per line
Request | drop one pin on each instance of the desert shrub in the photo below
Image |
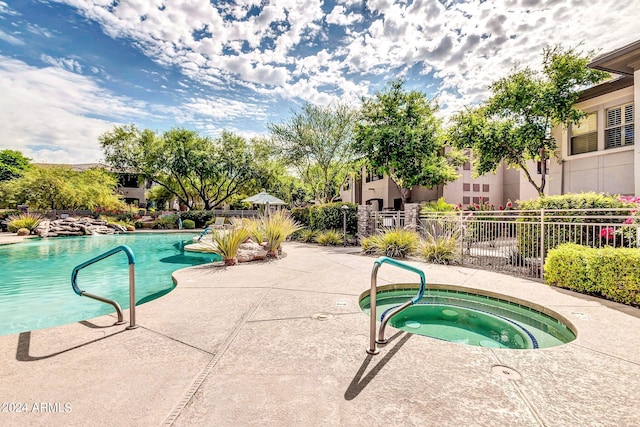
277	227
226	243
608	272
188	224
30	221
439	246
529	236
439	205
395	243
329	238
4	218
306	235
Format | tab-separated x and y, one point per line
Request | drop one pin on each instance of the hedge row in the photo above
612	273
327	217
529	237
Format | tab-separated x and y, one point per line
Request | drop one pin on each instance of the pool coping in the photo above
283	343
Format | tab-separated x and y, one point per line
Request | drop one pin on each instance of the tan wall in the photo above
608	171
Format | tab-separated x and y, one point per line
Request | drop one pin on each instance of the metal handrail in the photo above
204	232
132	284
372	300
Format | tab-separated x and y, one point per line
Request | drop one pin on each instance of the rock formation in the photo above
77	227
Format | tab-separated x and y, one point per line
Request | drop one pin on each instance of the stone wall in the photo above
365	221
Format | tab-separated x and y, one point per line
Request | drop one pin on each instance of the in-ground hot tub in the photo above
472	317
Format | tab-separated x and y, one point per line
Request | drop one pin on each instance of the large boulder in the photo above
251	251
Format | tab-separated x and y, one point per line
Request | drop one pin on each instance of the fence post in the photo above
542	251
462	233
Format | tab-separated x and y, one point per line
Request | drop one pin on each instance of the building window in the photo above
618	131
372	177
466	200
466	166
466	187
539	167
476	187
485	188
476	200
584	135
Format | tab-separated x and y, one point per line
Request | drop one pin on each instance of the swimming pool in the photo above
472	317
35	278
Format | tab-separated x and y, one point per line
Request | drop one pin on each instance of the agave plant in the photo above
30	221
277	227
227	242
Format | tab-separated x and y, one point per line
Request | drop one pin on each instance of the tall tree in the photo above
12	164
198	171
400	136
317	142
515	124
60	187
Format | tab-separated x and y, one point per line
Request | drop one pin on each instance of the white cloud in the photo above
11	39
50	114
284	51
68	64
338	16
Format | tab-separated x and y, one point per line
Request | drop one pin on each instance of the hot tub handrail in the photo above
132	284
372	299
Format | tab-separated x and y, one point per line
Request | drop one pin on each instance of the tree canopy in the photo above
199	171
400	136
60	187
514	124
12	164
317	142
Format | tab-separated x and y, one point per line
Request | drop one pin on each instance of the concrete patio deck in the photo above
282	343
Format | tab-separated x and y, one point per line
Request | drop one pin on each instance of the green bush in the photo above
166	222
392	243
608	272
200	218
529	237
301	215
188	224
329	238
329	217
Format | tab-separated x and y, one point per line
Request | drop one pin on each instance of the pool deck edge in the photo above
283	343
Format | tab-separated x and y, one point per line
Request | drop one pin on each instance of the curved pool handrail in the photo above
372	300
132	285
204	232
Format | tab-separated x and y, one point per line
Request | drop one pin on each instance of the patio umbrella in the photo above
266	199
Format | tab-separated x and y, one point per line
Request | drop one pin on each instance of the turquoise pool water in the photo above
35	278
470	318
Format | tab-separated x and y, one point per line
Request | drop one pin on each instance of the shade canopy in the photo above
264	198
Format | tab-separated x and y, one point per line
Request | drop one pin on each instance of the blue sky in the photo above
72	69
